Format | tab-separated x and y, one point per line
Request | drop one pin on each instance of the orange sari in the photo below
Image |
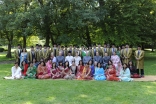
111	75
86	74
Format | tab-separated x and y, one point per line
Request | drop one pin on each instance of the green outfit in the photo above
31	72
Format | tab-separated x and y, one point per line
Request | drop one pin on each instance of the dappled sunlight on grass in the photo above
28	102
51	99
107	98
83	96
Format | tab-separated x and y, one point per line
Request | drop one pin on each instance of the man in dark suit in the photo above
60	58
105	60
97	58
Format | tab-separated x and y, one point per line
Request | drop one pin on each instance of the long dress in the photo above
31	73
92	67
99	74
55	73
86	74
125	75
24	69
111	74
23	57
117	63
42	72
79	71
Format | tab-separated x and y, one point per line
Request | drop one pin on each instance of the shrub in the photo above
1	49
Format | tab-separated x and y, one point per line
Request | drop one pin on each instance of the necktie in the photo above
138	53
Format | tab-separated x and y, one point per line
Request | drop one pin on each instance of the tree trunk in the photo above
9	51
52	39
9	44
47	39
152	47
88	37
142	46
24	41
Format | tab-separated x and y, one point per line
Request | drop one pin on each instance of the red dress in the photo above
42	72
55	73
25	68
86	74
79	71
111	75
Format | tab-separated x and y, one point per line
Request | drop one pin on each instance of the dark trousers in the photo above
142	71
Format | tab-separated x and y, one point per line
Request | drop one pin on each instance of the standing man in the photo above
31	54
37	50
139	56
69	58
127	54
105	49
54	49
113	49
121	54
18	53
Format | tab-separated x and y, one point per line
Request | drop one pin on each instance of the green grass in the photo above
4	58
35	91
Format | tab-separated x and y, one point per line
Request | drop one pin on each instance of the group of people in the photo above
81	63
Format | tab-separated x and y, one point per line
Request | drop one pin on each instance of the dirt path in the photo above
146	78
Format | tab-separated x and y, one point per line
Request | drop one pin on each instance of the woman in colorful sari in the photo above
99	72
92	67
42	71
66	72
31	72
24	68
49	64
111	74
23	56
125	74
86	73
54	72
115	59
61	69
79	69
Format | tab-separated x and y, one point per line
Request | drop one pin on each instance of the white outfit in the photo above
69	59
54	59
16	73
125	75
77	59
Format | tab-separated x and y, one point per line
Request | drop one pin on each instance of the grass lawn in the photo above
4	58
78	92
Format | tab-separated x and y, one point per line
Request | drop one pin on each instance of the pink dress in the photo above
117	63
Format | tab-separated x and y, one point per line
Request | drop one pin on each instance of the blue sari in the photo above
99	74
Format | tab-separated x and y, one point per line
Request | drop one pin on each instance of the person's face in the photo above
76	54
53	64
37	47
123	47
40	47
69	54
73	63
31	64
119	48
54	45
110	62
105	45
114	53
139	48
80	62
130	63
127	46
24	50
23	62
90	62
86	65
99	65
87	54
60	54
50	61
34	60
124	65
42	63
95	63
106	54
113	46
32	49
97	54
66	63
16	65
18	47
110	66
60	64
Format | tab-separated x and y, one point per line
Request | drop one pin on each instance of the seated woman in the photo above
79	69
49	64
111	74
133	70
54	72
109	63
16	72
99	72
31	72
61	69
35	63
72	72
125	74
86	73
24	67
66	72
92	67
42	71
